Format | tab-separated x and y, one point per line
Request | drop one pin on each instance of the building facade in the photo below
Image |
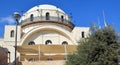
45	32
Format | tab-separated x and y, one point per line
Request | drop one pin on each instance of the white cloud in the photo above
8	19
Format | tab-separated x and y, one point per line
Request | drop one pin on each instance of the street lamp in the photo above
16	15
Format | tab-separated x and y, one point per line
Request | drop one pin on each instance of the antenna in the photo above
99	23
105	23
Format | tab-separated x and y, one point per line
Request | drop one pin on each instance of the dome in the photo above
45	6
45	12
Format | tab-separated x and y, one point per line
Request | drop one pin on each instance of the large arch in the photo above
65	33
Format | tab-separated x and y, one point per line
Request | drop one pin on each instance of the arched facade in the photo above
56	30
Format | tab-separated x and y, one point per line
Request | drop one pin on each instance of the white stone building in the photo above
41	28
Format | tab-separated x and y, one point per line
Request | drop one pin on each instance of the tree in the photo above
100	49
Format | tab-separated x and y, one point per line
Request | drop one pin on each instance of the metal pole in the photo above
16	16
57	13
41	14
16	40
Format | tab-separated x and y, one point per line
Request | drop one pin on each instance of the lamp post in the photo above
16	16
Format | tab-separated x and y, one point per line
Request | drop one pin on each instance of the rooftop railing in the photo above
43	18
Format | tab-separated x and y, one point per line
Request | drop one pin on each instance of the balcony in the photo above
42	19
45	52
58	62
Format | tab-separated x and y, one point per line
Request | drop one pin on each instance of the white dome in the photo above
38	13
45	6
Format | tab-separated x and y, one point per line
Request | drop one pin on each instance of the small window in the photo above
31	17
47	16
64	43
62	18
31	43
83	34
48	42
12	33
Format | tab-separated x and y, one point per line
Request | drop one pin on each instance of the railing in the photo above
58	62
43	18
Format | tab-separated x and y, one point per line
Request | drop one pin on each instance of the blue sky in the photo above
83	12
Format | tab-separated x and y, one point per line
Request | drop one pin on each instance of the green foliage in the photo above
100	49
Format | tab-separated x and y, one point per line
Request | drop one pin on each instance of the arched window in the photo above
48	42
62	18
83	34
47	16
64	43
31	43
12	33
31	17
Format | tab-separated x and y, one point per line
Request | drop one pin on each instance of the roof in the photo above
45	6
